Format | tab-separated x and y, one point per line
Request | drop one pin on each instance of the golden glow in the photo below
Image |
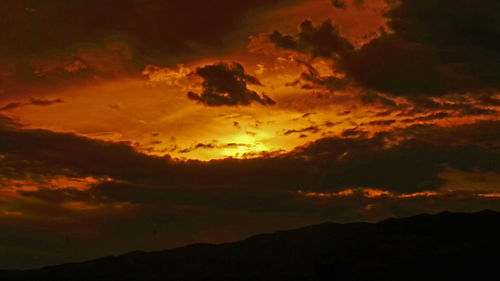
153	114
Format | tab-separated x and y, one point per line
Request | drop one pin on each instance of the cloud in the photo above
127	18
370	97
226	84
82	235
213	145
10	106
42	102
115	39
481	134
133	197
462	107
322	41
8	122
71	155
404	160
428	51
314	80
411	166
311	129
339	4
429	117
38	102
354	132
392	65
380	122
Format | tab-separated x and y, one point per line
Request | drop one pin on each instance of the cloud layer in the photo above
432	49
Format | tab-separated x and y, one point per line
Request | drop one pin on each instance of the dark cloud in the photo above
384	113
312	79
226	84
26	245
213	145
315	80
462	107
198	146
52	42
392	65
311	129
322	41
482	134
429	117
380	122
10	106
411	165
489	100
475	111
33	27
149	195
339	4
43	152
433	49
8	122
39	102
354	132
330	124
344	113
43	102
370	97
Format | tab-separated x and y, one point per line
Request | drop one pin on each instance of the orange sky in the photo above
214	122
152	113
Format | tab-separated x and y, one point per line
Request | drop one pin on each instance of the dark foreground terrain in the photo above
441	247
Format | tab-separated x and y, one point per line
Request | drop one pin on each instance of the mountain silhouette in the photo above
446	246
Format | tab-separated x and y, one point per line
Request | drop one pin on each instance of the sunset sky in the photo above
144	125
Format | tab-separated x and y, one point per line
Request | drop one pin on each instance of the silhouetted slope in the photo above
427	247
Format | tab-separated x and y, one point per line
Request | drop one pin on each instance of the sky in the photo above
145	125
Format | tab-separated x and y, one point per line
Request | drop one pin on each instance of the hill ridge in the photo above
458	245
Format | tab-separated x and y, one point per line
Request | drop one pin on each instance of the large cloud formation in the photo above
227	85
403	161
433	48
58	42
131	198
